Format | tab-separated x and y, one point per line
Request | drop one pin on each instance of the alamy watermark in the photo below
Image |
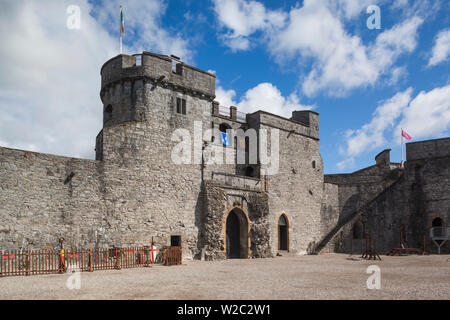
74	280
74	19
374	281
374	20
234	146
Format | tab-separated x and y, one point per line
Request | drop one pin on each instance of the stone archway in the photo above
283	233
236	234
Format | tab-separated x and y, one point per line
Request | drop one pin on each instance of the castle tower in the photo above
146	98
154	88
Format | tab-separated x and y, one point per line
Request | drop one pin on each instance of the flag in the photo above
153	250
406	135
122	22
225	141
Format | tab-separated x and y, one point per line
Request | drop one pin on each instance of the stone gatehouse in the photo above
134	191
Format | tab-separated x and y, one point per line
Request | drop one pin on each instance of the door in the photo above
233	237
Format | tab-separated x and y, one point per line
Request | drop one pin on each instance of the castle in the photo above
134	191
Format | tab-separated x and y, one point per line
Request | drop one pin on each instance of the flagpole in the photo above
401	134
120	29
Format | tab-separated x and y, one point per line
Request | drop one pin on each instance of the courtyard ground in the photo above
326	276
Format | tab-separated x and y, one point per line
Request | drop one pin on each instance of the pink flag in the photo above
406	135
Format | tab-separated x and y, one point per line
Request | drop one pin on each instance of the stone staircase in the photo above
330	235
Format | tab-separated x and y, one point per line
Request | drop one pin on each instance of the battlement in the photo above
156	68
305	122
436	148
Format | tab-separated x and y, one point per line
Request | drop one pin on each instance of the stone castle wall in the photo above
44	197
411	198
135	191
296	190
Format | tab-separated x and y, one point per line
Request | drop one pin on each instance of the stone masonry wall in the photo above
218	203
354	191
44	197
296	190
412	201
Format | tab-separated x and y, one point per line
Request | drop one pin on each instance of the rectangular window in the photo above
138	60
181	106
175	241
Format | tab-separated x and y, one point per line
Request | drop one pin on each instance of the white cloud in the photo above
344	164
441	49
265	96
50	81
242	18
424	116
350	9
371	135
397	74
143	25
340	61
428	115
225	97
400	4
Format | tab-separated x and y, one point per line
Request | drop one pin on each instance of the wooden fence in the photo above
32	262
172	255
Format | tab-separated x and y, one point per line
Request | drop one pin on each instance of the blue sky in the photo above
272	55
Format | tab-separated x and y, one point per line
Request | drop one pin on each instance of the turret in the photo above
124	77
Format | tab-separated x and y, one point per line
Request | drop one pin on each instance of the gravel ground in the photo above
327	276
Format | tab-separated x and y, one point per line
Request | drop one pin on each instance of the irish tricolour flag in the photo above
122	22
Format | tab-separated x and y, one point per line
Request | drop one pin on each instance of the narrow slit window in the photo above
181	106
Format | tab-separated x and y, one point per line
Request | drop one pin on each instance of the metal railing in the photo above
440	233
224	111
241	117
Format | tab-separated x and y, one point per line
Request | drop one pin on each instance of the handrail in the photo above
224	111
440	233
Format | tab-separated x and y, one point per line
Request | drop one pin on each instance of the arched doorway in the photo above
283	233
437	222
236	235
358	230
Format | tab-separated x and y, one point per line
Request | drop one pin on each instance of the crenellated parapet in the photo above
158	69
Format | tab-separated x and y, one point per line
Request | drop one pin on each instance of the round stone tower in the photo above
153	88
124	77
146	98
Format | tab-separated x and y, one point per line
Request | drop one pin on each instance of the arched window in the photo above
223	127
283	233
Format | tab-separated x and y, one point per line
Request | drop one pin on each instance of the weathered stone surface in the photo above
411	197
134	191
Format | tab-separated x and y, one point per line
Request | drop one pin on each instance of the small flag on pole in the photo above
122	28
122	22
406	135
225	141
